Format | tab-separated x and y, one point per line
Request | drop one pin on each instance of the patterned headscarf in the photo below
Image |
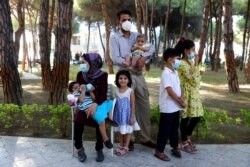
95	63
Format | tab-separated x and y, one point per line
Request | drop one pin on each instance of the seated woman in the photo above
90	73
83	96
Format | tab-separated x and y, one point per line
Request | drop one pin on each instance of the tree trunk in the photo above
51	25
52	14
33	27
19	31
151	31
25	49
44	42
203	35
218	45
100	35
60	72
213	65
138	15
12	88
211	38
147	66
34	45
25	52
183	17
107	30
165	33
244	36
156	46
228	51
89	24
247	44
144	5
247	68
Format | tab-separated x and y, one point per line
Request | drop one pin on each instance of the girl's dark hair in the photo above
70	87
123	72
184	44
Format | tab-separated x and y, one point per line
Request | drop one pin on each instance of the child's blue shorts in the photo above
102	111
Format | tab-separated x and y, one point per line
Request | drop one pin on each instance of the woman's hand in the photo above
83	88
91	110
196	60
131	121
92	89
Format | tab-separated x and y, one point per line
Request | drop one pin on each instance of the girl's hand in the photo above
131	121
196	60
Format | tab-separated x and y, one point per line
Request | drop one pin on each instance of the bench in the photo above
110	96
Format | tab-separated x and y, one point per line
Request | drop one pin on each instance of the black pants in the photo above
78	132
168	129
187	127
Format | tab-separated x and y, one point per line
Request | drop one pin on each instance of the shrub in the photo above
246	117
210	119
155	115
35	116
60	117
9	115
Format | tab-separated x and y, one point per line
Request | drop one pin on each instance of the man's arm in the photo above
114	51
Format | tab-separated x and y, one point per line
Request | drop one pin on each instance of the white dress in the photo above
122	113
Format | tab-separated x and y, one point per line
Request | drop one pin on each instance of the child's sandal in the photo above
118	150
187	148
121	151
192	145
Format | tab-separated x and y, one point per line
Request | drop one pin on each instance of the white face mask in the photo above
126	25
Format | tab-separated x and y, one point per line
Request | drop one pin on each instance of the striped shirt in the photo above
85	104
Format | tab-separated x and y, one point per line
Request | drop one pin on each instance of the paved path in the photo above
41	152
27	75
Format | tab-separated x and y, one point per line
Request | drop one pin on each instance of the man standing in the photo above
121	43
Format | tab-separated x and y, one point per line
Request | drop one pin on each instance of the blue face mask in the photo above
191	56
84	68
176	64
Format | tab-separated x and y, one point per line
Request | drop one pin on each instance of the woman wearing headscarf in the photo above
90	72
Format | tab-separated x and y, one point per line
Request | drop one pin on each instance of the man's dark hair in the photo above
122	12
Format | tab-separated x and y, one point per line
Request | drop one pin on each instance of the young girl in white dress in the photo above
124	112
